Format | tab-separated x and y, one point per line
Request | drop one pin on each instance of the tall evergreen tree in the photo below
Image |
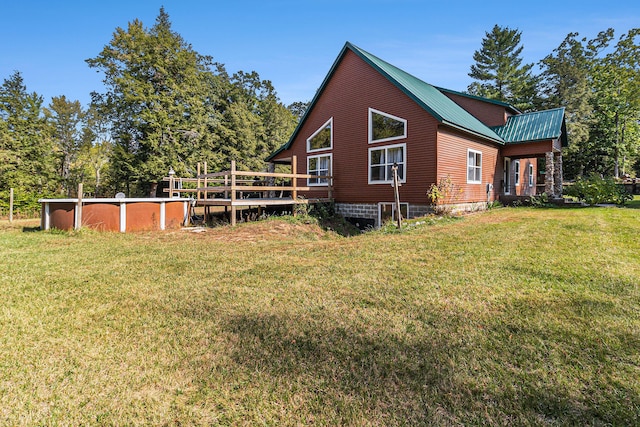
160	98
65	118
27	160
499	71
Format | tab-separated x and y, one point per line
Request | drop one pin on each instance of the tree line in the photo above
167	106
596	80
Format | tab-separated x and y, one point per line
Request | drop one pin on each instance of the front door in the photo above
506	177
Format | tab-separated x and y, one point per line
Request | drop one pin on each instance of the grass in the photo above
515	316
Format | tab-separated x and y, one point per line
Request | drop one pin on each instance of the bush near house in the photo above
596	189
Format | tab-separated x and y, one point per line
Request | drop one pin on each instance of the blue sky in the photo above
291	43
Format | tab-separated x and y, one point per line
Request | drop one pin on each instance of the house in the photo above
369	115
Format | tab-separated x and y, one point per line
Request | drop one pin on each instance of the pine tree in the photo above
65	118
499	71
160	100
27	160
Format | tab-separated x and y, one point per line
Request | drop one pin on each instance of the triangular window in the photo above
385	127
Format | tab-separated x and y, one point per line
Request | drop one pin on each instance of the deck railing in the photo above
249	188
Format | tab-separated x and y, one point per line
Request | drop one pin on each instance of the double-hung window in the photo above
381	161
474	167
516	168
530	175
320	167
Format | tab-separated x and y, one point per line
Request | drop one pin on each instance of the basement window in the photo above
387	212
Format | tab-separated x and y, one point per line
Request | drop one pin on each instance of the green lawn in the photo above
514	316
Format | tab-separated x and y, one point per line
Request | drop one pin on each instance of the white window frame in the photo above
516	171
319	184
393	210
320	129
391	116
469	151
530	175
386	147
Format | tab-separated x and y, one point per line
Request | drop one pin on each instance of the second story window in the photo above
322	139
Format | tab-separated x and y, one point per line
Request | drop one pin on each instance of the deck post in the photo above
294	182
198	184
11	204
206	184
207	209
233	192
78	224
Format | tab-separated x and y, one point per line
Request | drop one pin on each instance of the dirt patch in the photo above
261	231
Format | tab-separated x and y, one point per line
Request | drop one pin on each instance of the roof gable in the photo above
534	126
427	96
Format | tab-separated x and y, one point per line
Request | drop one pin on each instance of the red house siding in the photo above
489	114
352	90
527	150
452	161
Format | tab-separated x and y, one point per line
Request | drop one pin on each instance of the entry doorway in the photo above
506	177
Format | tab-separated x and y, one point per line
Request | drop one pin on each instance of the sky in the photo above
291	43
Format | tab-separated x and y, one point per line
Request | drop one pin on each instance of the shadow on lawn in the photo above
432	378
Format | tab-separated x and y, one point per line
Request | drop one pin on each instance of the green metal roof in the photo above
480	98
428	97
519	128
535	126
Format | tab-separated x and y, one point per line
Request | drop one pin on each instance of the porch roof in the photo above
534	126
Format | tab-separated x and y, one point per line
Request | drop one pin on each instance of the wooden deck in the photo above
258	201
234	188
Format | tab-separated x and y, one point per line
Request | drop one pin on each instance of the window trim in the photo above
317	156
516	171
386	147
320	129
530	175
382	113
471	150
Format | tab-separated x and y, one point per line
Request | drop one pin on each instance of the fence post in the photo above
79	208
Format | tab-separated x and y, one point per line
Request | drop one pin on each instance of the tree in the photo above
298	109
27	160
160	100
616	82
65	118
499	71
565	82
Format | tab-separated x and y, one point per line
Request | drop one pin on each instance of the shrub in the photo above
444	195
596	189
